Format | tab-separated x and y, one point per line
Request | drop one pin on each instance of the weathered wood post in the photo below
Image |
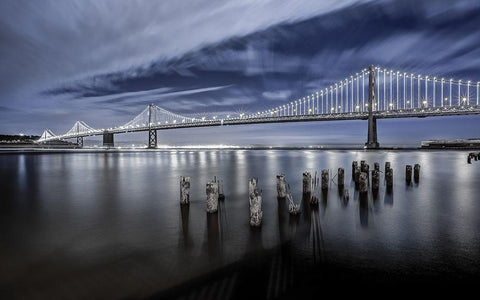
314	195
408	174
357	177
281	186
375	180
325	180
363	183
354	166
416	173
389	178
376	166
341	177
212	197
387	166
255	202
307	183
184	190
367	171
469	159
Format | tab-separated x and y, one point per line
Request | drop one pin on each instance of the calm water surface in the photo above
111	224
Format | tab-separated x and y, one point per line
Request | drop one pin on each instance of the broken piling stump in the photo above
325	180
376	166
357	177
281	186
389	178
340	177
307	183
212	196
408	174
416	173
184	190
255	201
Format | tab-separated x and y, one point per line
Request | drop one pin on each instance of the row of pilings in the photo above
361	175
473	156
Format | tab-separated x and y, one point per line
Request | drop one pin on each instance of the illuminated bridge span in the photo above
373	93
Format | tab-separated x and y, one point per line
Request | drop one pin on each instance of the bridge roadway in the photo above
391	114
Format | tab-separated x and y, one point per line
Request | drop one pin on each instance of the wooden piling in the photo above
362	166
375	180
341	177
184	190
357	177
307	183
325	180
354	166
416	173
255	201
408	174
376	166
387	167
389	177
314	194
212	196
281	186
363	183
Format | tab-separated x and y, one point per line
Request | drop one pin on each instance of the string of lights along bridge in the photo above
371	94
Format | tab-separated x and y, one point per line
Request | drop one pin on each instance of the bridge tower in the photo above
108	139
152	133
372	142
79	138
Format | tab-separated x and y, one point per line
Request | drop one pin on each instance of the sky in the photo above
103	61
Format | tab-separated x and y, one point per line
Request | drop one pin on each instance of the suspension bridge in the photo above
371	94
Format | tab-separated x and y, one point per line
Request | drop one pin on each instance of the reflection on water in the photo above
67	216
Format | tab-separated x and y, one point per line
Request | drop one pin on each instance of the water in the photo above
110	223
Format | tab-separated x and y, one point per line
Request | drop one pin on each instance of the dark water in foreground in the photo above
110	224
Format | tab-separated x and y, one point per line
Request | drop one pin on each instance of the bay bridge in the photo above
371	94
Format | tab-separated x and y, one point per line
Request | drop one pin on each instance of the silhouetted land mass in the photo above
6	139
28	141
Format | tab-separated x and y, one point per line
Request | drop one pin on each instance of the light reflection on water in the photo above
72	211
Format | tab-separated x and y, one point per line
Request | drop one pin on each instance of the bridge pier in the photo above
152	139
108	139
372	142
80	142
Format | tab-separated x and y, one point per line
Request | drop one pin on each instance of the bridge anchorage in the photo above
371	94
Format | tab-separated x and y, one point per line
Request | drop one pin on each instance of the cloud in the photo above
277	95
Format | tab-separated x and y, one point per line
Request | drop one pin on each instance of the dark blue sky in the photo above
103	61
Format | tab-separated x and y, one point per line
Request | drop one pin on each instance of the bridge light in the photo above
464	99
159	123
166	122
174	121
